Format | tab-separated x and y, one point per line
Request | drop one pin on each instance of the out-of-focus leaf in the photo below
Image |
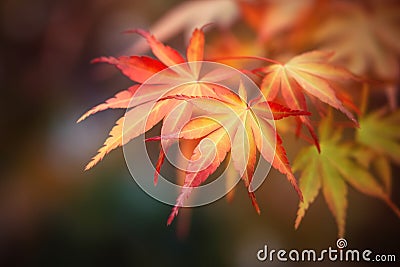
273	17
190	15
331	170
381	133
364	35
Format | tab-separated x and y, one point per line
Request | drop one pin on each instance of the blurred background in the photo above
52	213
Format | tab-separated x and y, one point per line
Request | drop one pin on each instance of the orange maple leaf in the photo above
137	99
271	18
233	125
310	73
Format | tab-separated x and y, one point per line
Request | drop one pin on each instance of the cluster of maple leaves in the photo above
332	54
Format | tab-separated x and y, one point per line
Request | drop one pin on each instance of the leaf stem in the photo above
391	205
246	58
364	98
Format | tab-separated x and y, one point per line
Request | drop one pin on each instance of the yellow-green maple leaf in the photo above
381	133
331	171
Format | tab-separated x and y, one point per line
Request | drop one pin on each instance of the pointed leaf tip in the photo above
392	206
159	164
173	214
111	60
254	202
165	54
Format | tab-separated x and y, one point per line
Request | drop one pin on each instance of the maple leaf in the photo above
137	99
271	18
381	133
331	171
191	15
378	164
364	35
311	73
234	126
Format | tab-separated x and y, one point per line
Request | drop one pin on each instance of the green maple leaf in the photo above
332	171
381	133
